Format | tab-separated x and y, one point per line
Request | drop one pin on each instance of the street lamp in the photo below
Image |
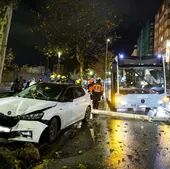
168	53
107	44
106	58
59	55
91	73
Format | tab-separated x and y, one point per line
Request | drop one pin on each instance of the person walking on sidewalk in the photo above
90	87
97	93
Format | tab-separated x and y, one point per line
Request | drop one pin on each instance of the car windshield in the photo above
141	80
43	91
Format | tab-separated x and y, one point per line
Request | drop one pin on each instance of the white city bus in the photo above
138	83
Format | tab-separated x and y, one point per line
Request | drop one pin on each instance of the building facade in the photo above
145	43
162	31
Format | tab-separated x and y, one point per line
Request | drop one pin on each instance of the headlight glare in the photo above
165	99
118	99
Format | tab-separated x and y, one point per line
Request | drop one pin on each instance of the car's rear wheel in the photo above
53	130
87	114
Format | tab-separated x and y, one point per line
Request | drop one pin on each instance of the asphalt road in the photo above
109	143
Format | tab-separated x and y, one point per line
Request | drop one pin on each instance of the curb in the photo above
131	116
119	114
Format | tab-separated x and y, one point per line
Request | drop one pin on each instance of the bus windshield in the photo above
141	80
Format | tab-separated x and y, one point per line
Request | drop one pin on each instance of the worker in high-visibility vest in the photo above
53	77
90	87
97	93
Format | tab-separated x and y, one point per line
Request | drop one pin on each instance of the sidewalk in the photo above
103	105
5	89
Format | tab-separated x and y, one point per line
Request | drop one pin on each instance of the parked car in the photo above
43	108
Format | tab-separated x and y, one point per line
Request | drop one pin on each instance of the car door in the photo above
80	103
70	105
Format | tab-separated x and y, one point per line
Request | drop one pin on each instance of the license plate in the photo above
4	129
122	110
134	105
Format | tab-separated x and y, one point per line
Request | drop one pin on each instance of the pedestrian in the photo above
90	87
40	80
78	82
58	78
28	84
24	83
32	81
63	79
97	93
15	86
21	83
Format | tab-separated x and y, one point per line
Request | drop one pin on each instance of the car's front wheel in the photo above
53	130
87	114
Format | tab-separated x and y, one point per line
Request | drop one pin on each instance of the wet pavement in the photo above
136	144
109	143
76	140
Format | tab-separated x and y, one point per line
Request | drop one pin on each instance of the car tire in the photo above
87	114
53	130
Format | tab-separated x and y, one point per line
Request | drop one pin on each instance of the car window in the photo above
68	94
79	92
76	95
43	91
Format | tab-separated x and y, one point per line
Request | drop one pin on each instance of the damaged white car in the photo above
44	108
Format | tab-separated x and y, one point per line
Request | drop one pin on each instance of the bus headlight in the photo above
165	99
118	99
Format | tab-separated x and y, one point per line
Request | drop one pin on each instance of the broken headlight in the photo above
32	116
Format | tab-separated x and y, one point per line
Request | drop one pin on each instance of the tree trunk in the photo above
81	73
5	24
79	58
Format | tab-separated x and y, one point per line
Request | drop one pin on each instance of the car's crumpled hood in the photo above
20	106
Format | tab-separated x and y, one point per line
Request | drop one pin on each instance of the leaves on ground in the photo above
130	156
81	166
80	152
111	150
23	155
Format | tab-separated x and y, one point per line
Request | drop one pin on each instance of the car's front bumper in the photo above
27	131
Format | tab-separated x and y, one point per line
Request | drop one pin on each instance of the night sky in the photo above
133	12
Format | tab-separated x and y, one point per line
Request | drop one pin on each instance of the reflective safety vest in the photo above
97	88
